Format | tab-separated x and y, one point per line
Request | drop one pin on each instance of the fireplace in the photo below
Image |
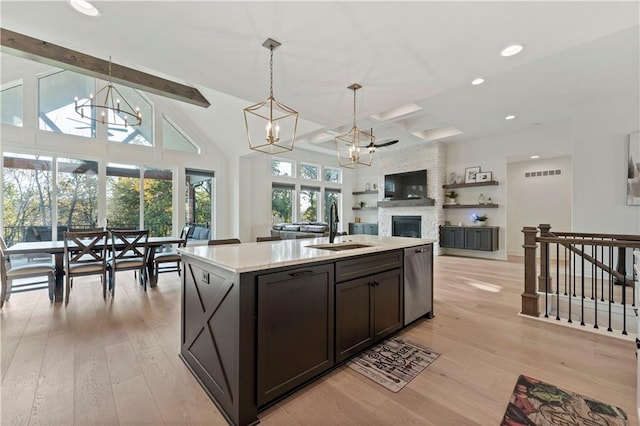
406	226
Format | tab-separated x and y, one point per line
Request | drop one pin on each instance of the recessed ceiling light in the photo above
533	157
84	7
477	81
514	49
510	117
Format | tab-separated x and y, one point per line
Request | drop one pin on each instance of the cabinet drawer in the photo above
367	265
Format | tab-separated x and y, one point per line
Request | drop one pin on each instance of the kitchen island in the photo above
260	320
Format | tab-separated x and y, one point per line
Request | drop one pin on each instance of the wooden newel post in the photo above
530	295
544	279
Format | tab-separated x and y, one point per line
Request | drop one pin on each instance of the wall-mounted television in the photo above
405	186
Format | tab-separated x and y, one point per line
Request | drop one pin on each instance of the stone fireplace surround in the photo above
432	158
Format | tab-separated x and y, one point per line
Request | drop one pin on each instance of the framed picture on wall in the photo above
483	176
470	174
633	170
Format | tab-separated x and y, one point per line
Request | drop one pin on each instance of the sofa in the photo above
198	233
295	229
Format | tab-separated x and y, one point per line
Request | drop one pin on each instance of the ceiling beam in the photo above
51	54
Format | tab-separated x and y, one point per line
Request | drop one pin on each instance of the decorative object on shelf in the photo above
114	111
375	186
452	178
470	174
349	146
481	199
281	121
480	220
362	204
357	219
367	186
459	179
483	176
451	197
489	201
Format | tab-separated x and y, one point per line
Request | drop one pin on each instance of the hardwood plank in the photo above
134	402
53	399
127	349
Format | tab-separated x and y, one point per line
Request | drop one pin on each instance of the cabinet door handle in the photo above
300	273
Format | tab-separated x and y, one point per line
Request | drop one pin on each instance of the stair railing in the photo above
582	276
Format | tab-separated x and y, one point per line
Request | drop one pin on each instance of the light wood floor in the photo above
116	362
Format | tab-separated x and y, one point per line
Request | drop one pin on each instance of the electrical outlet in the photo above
205	277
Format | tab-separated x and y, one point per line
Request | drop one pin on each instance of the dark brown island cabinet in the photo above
252	334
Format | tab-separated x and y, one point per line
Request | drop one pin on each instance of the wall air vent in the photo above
542	173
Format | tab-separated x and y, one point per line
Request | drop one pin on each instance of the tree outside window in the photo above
282	202
309	197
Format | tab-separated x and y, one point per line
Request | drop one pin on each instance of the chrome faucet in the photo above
333	221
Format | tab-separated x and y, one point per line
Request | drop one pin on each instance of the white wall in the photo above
492	153
539	199
600	137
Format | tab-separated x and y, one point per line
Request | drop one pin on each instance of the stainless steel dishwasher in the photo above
418	282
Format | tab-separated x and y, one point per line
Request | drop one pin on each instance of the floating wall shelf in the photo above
470	185
469	206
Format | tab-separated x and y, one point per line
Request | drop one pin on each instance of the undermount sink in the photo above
339	246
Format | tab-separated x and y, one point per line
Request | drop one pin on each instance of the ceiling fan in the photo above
372	146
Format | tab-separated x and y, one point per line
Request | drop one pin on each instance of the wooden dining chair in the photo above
9	273
128	253
271	238
85	253
168	261
223	241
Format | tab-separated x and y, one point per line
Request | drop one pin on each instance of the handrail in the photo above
590	286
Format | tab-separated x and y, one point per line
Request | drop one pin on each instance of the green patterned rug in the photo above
535	403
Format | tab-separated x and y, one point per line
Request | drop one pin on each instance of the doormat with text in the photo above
393	363
535	403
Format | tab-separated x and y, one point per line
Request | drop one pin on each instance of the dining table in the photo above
56	248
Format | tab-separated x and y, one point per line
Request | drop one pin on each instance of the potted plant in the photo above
481	220
451	197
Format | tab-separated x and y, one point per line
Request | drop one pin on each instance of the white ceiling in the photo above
425	53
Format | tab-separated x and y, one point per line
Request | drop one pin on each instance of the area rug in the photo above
535	403
393	363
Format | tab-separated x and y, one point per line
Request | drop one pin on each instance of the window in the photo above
282	202
333	175
281	168
308	171
11	106
199	197
173	138
300	199
309	199
158	202
27	192
331	195
123	195
141	135
56	112
77	185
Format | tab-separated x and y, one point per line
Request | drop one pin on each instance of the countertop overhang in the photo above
249	257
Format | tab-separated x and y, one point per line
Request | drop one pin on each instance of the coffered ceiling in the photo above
415	60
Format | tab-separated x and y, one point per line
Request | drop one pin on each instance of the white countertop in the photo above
247	257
